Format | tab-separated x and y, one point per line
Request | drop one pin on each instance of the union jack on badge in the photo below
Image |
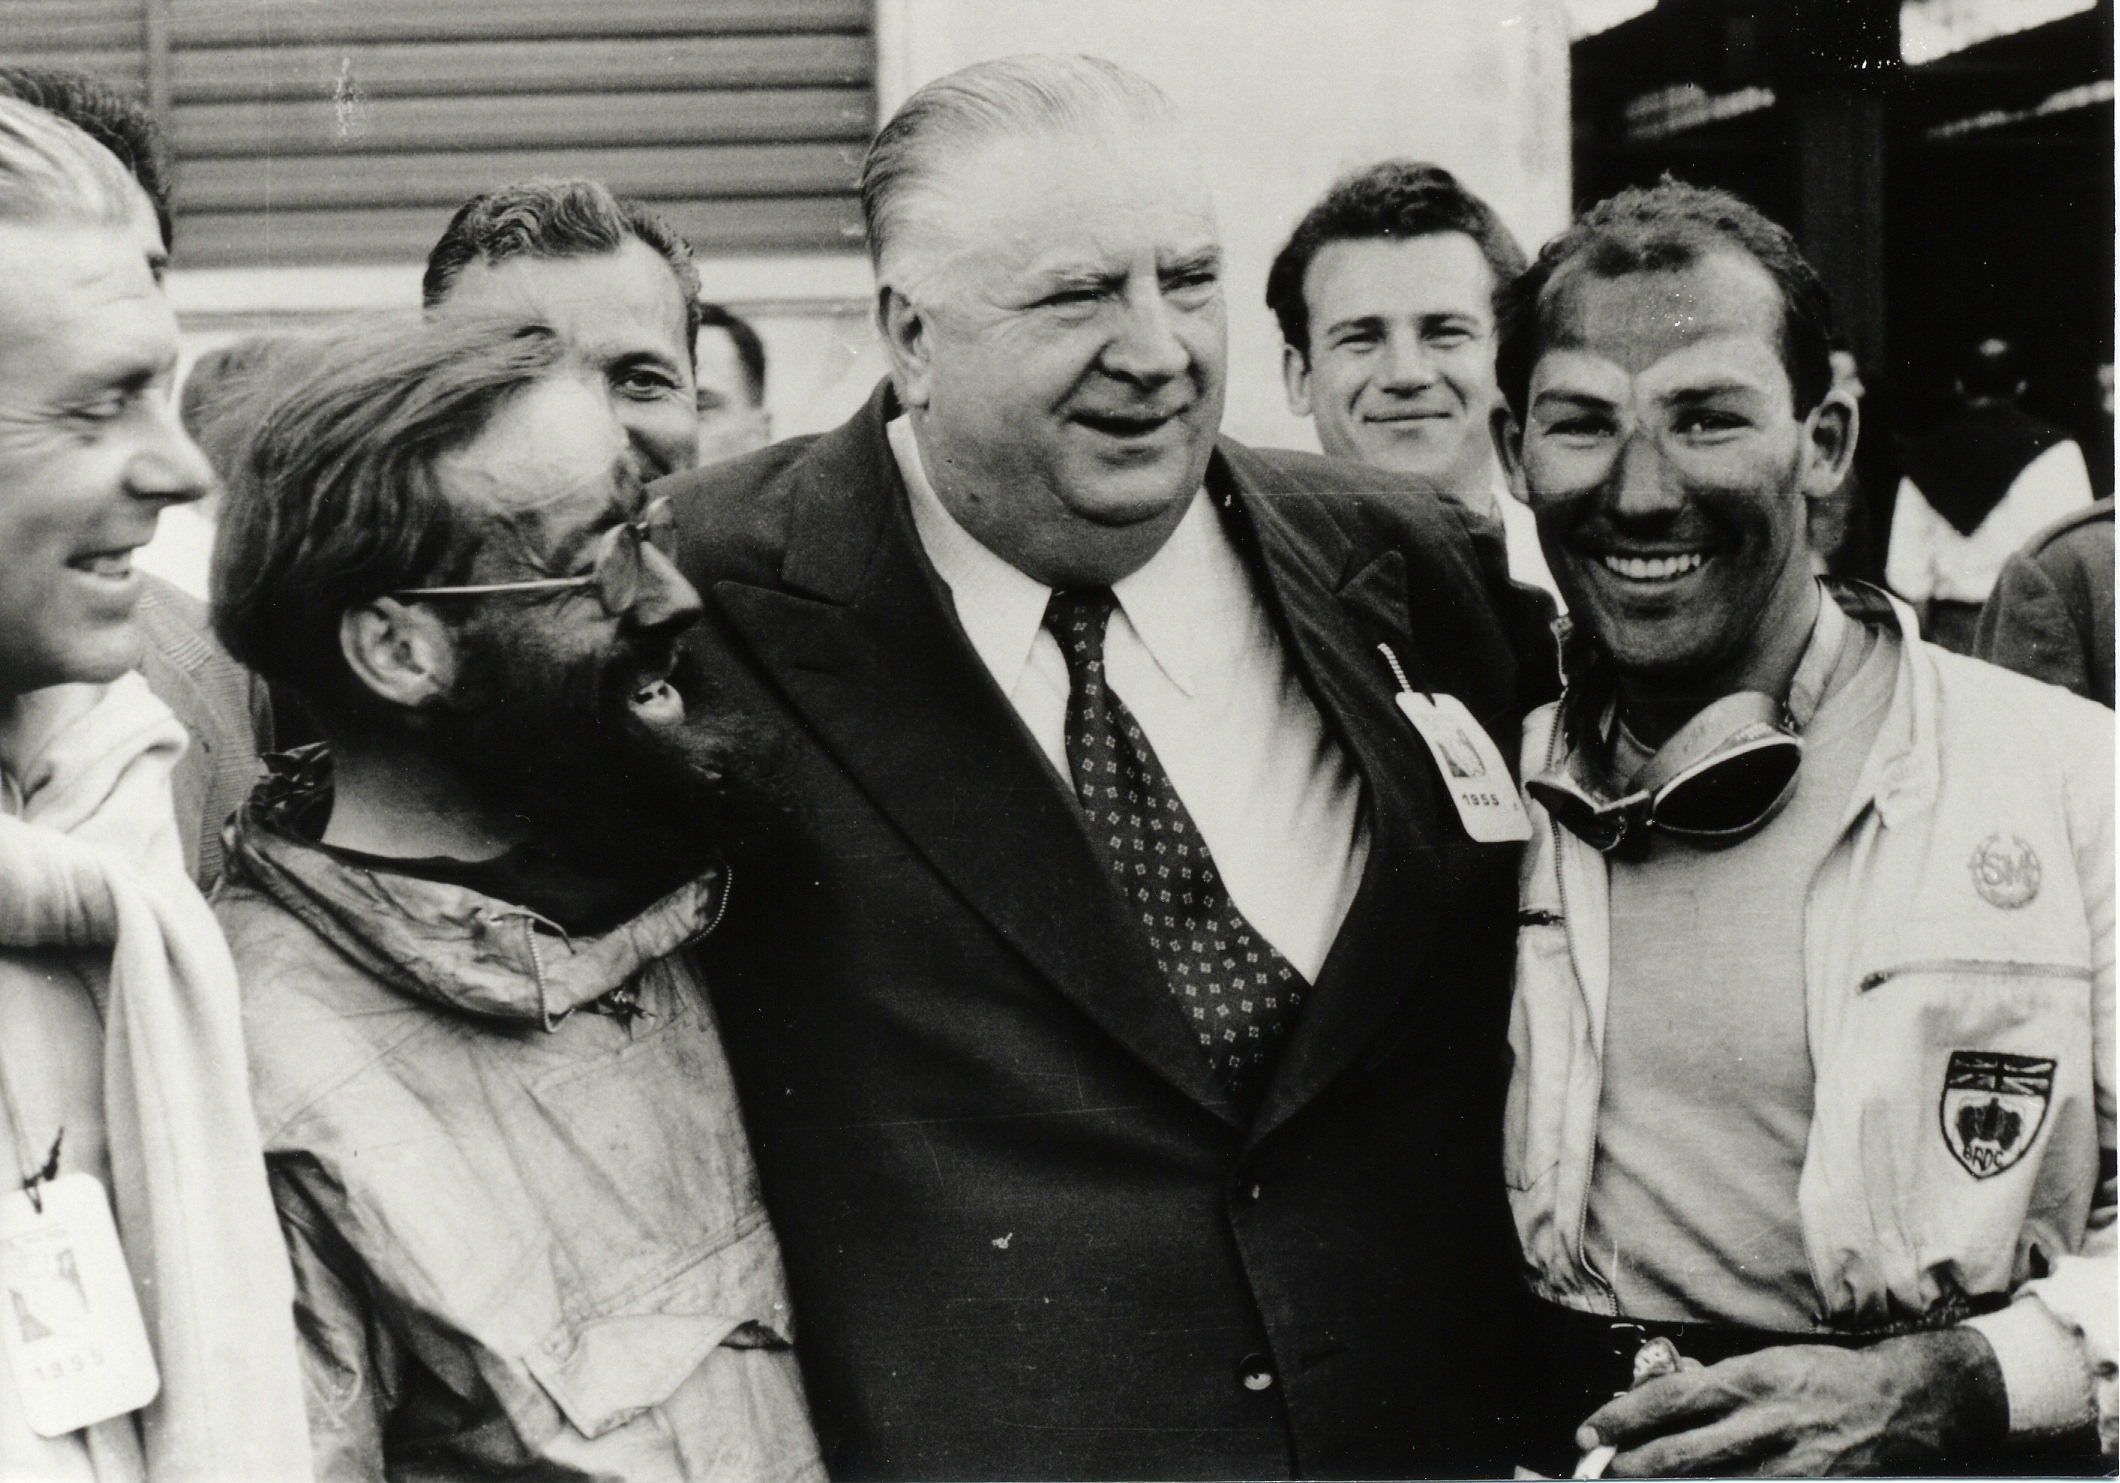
1993	1107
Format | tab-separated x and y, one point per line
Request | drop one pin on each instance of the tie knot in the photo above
1077	617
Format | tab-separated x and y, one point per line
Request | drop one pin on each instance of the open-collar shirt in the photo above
1527	558
1193	654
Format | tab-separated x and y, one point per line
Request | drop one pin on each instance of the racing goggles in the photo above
1721	779
616	571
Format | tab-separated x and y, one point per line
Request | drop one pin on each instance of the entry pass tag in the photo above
70	1324
1471	765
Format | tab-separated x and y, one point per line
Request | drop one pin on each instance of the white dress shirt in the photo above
1927	558
1527	558
1194	656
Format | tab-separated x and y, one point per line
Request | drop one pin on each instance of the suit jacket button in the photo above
1255	1372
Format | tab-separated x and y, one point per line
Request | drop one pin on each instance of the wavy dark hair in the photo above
332	499
554	218
1394	199
1665	226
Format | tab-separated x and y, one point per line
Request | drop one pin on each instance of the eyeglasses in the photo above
616	571
1720	780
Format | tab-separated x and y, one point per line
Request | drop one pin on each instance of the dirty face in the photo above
1668	467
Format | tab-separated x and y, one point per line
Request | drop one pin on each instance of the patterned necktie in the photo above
1236	992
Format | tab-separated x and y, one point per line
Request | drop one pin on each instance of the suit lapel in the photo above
1334	603
868	651
861	640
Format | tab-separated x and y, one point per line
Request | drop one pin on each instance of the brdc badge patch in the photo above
1993	1107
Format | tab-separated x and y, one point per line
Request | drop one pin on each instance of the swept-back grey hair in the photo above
52	171
1037	93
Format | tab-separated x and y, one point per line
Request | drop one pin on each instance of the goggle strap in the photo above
1717	737
1828	637
1708	734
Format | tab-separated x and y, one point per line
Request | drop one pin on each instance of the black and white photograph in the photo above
764	741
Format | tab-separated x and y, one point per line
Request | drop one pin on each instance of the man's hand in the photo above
1808	1410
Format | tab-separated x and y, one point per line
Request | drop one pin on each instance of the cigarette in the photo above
1595	1461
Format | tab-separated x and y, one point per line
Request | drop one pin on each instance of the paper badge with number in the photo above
69	1320
1471	765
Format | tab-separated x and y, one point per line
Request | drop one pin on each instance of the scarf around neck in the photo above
91	863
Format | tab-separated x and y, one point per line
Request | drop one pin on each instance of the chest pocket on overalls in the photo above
646	1169
661	1252
1962	1105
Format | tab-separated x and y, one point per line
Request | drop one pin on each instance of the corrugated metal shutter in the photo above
346	131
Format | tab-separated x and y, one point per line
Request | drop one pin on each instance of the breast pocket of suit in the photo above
1958	1101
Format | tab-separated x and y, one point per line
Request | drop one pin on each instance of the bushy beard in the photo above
616	798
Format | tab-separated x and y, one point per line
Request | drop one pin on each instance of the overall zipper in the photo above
1582	1209
2001	966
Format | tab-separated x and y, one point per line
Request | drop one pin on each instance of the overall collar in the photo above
439	941
1900	774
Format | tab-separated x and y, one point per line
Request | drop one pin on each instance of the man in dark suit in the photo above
1119	1013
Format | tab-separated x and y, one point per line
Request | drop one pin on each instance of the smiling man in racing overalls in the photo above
1813	1020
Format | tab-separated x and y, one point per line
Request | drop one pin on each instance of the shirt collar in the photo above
1000	608
1189	595
1188	602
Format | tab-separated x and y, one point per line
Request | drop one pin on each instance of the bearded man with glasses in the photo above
501	1133
1810	1130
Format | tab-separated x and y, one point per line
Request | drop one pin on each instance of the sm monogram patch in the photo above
1993	1107
2005	871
